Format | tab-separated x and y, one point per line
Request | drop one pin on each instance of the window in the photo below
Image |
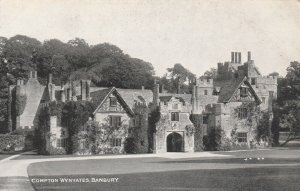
243	113
142	143
82	144
244	92
60	142
175	106
63	133
205	130
205	92
242	137
263	100
253	81
112	101
114	121
133	122
115	142
175	116
205	119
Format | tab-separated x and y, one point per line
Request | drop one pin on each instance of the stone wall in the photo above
165	126
34	92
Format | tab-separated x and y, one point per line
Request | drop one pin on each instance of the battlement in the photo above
205	82
272	80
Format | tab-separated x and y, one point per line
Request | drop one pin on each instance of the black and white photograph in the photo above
150	95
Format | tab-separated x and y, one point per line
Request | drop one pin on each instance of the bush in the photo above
129	145
56	151
11	143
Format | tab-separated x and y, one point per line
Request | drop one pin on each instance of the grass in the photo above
271	178
178	174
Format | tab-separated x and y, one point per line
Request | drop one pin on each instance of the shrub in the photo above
11	143
129	145
56	151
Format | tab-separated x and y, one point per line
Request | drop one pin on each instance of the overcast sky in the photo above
196	33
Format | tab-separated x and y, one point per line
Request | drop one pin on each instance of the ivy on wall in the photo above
196	120
18	105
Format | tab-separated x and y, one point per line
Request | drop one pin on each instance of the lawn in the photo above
175	174
273	178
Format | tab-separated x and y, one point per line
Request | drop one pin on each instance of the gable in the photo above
104	98
230	90
243	94
111	104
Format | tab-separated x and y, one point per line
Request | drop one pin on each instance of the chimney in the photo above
30	74
240	57
50	79
88	91
193	99
143	87
232	57
249	56
83	89
235	57
19	82
156	94
35	74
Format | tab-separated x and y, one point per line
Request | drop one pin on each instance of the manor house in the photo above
231	102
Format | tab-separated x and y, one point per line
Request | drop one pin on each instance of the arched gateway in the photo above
174	142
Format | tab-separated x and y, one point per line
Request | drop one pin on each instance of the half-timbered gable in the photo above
235	90
110	101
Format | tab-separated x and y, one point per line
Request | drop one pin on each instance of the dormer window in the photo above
112	101
244	91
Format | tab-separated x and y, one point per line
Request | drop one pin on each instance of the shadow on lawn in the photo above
15	183
271	178
239	161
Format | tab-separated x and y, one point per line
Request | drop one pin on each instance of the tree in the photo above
286	109
274	74
180	75
210	74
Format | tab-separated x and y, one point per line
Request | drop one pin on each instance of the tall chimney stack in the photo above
232	57
83	89
88	89
235	57
249	56
240	57
50	79
194	99
156	94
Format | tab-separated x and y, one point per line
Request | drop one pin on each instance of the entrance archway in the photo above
174	142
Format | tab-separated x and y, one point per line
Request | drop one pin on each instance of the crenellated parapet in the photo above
268	80
205	82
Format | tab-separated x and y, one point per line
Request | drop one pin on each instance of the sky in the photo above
196	33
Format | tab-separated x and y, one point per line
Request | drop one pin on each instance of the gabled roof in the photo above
186	97
100	96
130	96
229	87
168	98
